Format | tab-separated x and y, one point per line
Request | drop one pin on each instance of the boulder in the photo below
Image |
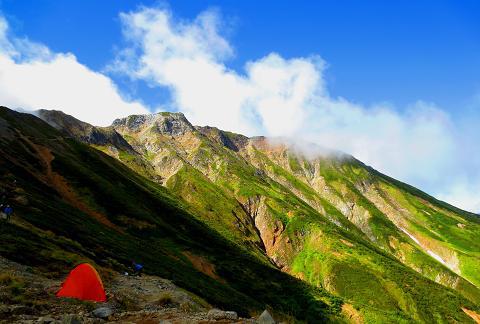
46	320
265	318
102	312
217	314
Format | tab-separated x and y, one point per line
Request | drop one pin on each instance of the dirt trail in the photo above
61	185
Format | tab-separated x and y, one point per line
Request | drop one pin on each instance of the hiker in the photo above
8	211
137	269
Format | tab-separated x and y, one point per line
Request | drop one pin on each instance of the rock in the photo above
231	315
24	320
217	314
71	319
265	318
46	319
163	123
102	312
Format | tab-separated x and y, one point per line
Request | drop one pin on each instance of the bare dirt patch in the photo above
61	185
202	265
352	314
347	243
472	314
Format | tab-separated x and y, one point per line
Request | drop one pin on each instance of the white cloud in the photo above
273	96
288	97
31	77
464	194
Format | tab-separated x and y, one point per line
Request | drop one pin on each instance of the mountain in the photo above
73	203
315	234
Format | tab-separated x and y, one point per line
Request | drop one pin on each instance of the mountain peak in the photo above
167	123
81	130
60	120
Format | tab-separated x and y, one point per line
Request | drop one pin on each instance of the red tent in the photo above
83	283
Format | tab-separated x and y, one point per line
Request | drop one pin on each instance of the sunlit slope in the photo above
328	220
393	215
348	190
74	203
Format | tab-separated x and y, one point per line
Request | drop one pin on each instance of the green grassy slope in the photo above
308	244
377	205
440	228
91	207
345	262
331	221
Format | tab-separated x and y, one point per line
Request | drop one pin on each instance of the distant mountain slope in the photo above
74	203
327	219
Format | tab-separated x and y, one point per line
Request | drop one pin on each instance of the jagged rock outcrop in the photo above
173	124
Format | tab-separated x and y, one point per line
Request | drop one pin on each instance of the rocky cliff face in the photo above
325	218
173	124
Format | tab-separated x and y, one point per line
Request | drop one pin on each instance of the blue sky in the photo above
393	51
395	83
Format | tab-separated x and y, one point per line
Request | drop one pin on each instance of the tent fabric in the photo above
83	283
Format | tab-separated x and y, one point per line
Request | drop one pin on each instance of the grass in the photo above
166	299
209	222
359	277
117	191
441	227
126	302
12	283
360	273
213	206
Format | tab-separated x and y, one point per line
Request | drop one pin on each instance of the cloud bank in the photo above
277	96
32	77
272	95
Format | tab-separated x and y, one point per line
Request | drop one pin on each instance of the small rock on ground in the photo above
102	312
217	314
71	319
265	318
